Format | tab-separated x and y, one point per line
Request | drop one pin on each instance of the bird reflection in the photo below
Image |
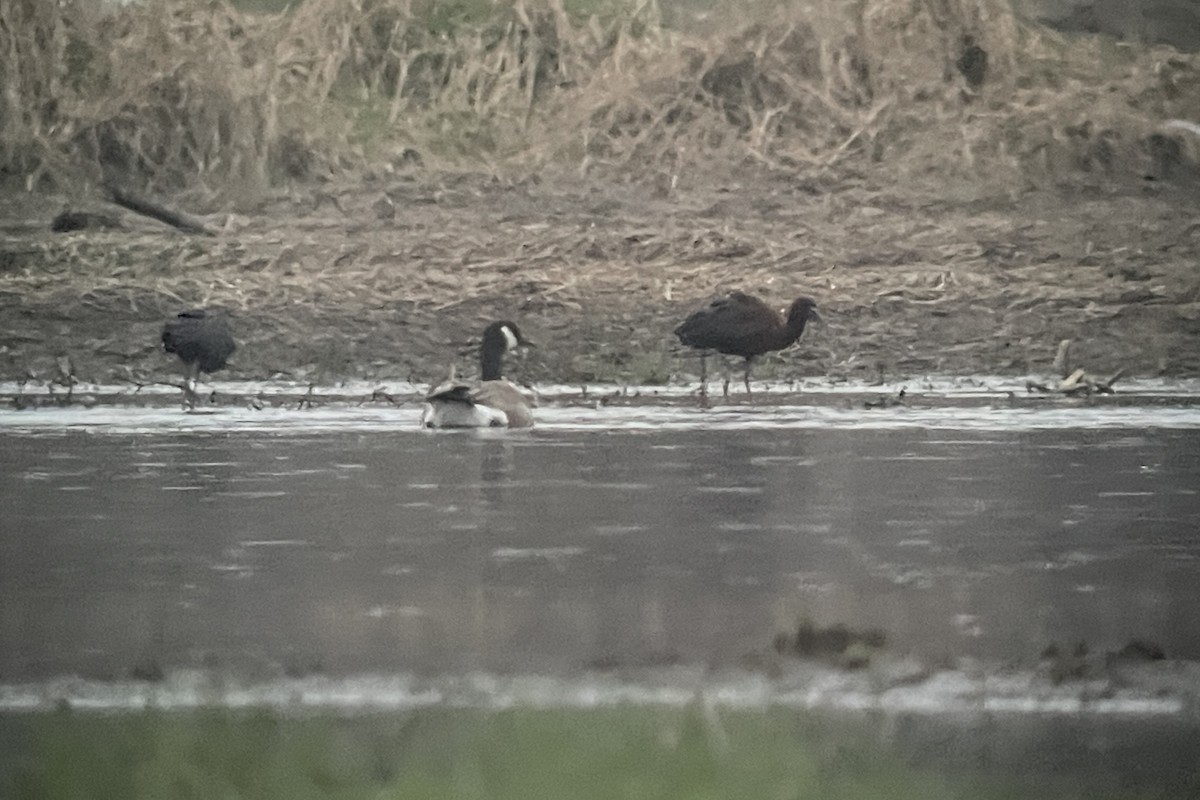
495	465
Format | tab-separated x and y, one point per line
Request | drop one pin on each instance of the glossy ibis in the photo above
202	339
742	325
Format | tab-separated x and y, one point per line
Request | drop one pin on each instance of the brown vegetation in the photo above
409	176
183	95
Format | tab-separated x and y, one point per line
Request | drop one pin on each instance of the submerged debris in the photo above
1077	663
1060	664
1072	383
839	644
887	400
139	204
1139	650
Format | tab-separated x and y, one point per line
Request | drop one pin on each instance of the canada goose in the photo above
491	403
741	325
203	341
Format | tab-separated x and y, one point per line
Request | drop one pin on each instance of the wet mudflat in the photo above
615	554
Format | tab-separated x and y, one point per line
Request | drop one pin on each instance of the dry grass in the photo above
199	96
874	83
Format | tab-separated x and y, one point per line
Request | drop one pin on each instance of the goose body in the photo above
742	325
491	403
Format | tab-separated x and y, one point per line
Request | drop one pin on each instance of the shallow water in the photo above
632	550
345	540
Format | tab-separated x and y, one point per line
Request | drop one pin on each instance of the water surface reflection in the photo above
347	550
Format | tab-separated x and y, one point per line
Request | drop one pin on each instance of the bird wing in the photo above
451	392
169	332
725	323
196	334
181	329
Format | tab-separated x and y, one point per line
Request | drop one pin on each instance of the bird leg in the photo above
190	381
703	375
746	380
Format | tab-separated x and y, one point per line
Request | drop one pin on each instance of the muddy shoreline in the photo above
328	282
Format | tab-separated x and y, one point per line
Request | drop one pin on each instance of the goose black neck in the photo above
491	354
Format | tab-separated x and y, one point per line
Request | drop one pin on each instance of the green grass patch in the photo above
429	754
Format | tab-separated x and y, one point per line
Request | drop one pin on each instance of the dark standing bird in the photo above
741	325
203	341
491	403
972	63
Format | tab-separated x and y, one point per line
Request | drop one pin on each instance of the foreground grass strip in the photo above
525	754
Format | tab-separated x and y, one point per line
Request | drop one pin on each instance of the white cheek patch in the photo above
510	338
